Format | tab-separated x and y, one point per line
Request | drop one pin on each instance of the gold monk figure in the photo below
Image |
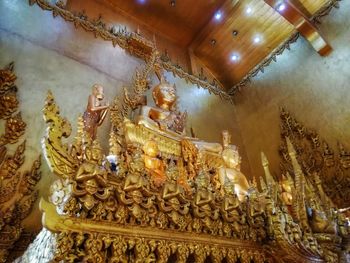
95	112
231	168
165	119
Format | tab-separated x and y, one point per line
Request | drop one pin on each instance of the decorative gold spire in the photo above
265	163
114	146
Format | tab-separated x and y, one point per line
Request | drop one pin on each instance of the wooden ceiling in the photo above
191	24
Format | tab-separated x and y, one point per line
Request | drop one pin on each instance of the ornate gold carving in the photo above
316	157
152	207
17	193
132	42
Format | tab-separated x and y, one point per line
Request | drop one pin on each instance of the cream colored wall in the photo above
51	54
314	89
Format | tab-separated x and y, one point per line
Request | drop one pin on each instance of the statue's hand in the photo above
162	126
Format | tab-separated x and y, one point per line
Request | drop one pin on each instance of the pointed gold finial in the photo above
290	147
114	147
262	184
265	163
264	160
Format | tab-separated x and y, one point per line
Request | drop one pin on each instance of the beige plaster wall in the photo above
51	54
314	89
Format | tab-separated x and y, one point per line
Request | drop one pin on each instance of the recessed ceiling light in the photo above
257	39
249	10
234	33
213	42
218	15
281	6
234	57
173	3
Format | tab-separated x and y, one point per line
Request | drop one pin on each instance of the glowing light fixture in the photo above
218	15
257	39
141	1
281	6
234	57
249	10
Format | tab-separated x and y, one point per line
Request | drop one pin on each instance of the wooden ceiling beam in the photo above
296	17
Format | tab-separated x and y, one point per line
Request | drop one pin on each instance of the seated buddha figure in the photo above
165	119
231	168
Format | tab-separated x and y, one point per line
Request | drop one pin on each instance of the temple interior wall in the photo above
314	89
52	54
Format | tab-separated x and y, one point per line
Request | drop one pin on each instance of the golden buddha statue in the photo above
166	120
231	168
95	112
153	164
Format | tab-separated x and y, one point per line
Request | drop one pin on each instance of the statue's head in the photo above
97	90
91	186
231	157
286	184
226	138
164	95
94	152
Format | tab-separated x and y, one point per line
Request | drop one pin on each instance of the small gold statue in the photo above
286	194
95	111
231	170
152	163
91	178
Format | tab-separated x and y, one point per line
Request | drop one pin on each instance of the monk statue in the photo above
165	119
95	112
231	168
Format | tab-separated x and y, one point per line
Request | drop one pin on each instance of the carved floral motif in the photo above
17	189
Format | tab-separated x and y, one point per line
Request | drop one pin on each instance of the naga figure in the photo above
173	201
95	112
90	184
231	168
